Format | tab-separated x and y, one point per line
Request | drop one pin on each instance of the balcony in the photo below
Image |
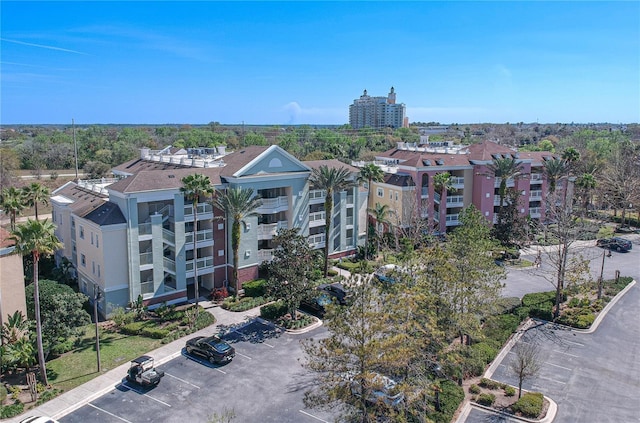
202	263
316	241
273	205
317	196
169	265
265	255
425	192
535	195
144	230
436	198
535	178
317	219
510	182
146	287
457	181
267	231
146	258
349	200
205	212
455	201
201	236
452	219
535	212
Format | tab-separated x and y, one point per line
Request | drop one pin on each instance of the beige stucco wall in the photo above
12	297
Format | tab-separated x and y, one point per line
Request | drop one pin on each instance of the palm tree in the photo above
554	169
12	204
369	173
380	214
37	238
34	194
442	183
331	180
195	186
237	205
570	156
586	182
505	168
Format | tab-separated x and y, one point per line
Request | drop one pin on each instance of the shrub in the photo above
47	395
12	410
509	391
537	298
133	328
486	399
474	389
204	320
62	347
500	327
303	320
484	351
154	332
15	391
220	294
255	288
273	311
490	384
3	393
451	395
121	317
243	304
529	405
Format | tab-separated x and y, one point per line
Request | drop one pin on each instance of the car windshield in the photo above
323	299
218	344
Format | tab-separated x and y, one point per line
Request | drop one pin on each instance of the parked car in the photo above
143	372
328	294
38	419
390	273
381	389
615	243
211	348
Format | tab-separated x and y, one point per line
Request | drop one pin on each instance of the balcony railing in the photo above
202	208
146	258
437	197
535	211
455	200
265	255
316	240
317	195
269	230
452	219
144	229
510	182
201	236
274	203
169	264
168	236
318	216
425	192
203	263
146	287
349	200
535	177
535	194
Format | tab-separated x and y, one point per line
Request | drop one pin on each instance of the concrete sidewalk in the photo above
98	386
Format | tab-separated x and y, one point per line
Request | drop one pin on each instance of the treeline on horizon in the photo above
100	147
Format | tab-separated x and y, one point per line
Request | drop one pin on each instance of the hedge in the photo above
529	405
486	399
273	311
255	288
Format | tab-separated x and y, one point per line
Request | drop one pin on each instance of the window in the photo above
220	253
390	195
220	226
380	192
73	222
396	196
83	260
91	237
81	231
93	267
97	242
98	270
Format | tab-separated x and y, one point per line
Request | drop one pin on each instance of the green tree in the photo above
194	187
61	311
381	217
291	270
237	204
14	328
332	181
36	238
369	173
344	363
554	169
586	183
35	194
12	204
476	278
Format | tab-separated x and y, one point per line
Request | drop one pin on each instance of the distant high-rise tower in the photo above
377	112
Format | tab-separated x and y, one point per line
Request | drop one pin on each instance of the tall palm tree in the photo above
38	239
237	205
380	214
442	183
586	182
331	180
369	173
505	168
196	186
570	155
35	194
554	169
12	203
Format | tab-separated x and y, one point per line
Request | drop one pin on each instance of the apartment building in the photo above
415	166
377	112
12	295
134	234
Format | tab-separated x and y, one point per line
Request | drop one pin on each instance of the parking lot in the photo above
263	383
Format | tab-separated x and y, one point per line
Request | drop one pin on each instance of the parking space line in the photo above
312	416
574	343
552	380
146	395
242	355
560	352
221	371
182	380
562	367
106	412
268	345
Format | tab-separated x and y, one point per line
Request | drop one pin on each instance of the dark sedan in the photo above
617	244
211	348
328	294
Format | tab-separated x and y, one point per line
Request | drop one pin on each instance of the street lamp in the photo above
97	296
600	279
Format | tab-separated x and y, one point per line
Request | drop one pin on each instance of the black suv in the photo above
618	244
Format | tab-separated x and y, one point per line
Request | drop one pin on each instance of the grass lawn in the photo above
80	365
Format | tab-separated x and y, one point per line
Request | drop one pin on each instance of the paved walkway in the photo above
87	392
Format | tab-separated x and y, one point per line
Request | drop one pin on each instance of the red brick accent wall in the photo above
168	297
247	274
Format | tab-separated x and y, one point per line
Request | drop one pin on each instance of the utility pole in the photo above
600	280
97	296
75	146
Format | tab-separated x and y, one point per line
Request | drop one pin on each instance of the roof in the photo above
331	164
399	179
486	151
5	240
107	214
80	200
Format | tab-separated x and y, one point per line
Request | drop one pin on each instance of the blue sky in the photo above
305	62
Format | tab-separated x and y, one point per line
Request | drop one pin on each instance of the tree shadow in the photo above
254	330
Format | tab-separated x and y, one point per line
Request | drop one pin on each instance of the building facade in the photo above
134	235
377	112
472	182
12	294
